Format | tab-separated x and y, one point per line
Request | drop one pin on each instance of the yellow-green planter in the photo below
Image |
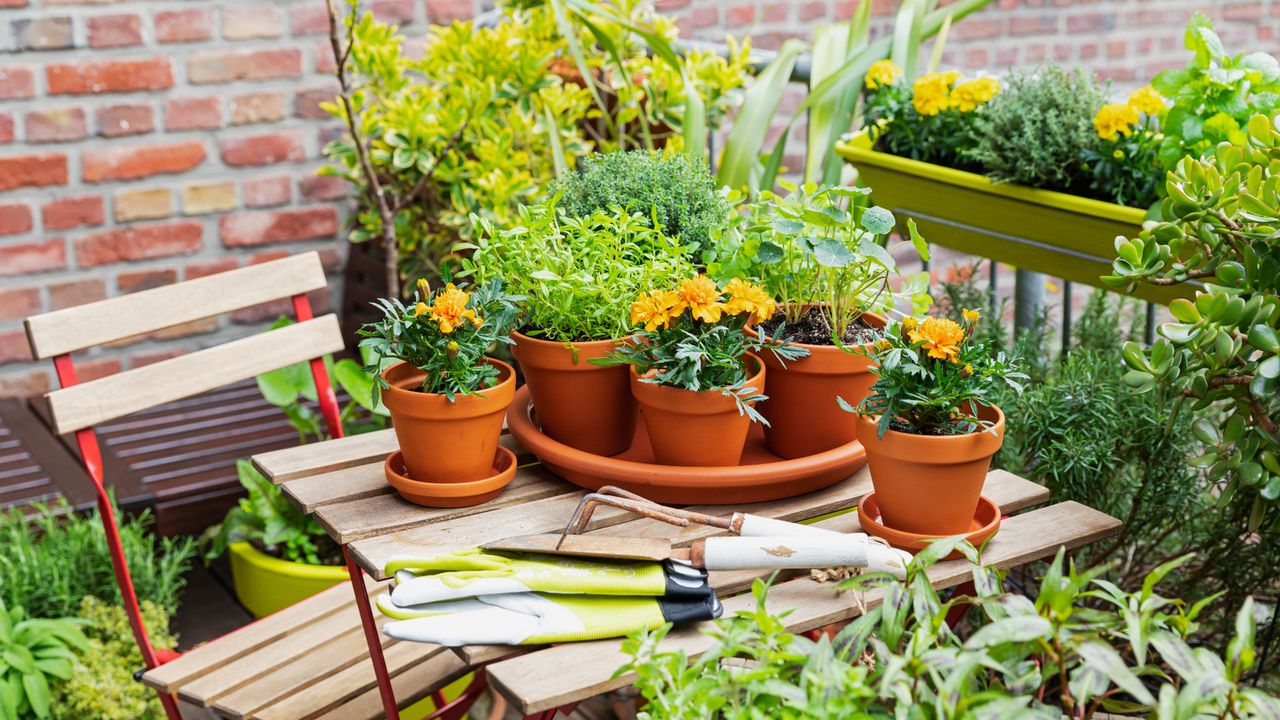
1061	235
265	584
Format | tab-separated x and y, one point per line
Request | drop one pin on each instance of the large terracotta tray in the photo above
760	476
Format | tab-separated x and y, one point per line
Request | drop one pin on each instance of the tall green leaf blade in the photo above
907	33
939	45
759	105
830	49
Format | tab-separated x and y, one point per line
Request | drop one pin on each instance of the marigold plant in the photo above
933	376
929	118
445	333
1126	163
695	337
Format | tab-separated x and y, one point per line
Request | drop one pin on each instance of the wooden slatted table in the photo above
341	482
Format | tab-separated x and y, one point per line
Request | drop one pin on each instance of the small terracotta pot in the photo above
930	484
446	441
804	417
584	406
699	429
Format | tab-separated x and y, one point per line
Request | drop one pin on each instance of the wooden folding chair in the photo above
254	672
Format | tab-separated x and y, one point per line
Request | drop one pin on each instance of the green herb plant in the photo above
1214	95
272	524
823	245
1081	648
693	337
35	653
445	333
933	377
101	685
1222	352
53	557
675	189
1037	130
578	275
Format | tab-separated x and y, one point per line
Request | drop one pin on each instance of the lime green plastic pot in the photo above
265	584
1062	235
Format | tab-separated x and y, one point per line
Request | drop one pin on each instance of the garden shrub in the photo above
1080	647
1037	130
676	189
102	686
52	559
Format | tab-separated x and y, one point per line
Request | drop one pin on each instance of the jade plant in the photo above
1221	355
1079	647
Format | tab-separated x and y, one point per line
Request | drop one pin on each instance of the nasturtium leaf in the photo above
832	253
877	220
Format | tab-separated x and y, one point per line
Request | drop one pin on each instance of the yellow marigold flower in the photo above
1147	100
453	346
930	93
909	323
883	345
967	371
424	288
881	73
745	297
421	309
654	309
1115	119
967	96
971	315
940	337
701	296
1118	154
450	309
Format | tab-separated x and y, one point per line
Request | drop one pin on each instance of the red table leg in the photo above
372	638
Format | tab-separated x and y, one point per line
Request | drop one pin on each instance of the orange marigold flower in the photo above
940	337
701	296
654	309
450	309
421	309
745	297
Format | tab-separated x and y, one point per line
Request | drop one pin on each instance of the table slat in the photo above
305	460
567	673
410	686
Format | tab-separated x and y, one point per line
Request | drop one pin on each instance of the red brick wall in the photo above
148	141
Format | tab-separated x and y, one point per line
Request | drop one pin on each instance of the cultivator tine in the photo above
631	502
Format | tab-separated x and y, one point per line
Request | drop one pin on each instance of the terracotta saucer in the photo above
759	476
451	495
985	523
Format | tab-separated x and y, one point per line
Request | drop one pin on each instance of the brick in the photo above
308	18
1090	23
977	57
17	303
108	76
151	357
810	11
444	12
119	120
257	108
393	12
13	4
14	347
669	5
192	114
268	191
55	125
306	103
263	227
147	204
775	12
46	33
138	161
108	31
39	170
76	292
87	370
6	128
285	146
179	26
739	15
21	385
220	67
135	280
15	218
252	20
140	242
33	257
321	302
1034	25
322	187
209	198
66	213
323	55
212	267
16	82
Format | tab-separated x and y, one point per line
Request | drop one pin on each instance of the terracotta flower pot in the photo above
446	441
700	429
584	406
930	484
804	417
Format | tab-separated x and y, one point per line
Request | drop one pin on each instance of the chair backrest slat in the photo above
81	406
85	326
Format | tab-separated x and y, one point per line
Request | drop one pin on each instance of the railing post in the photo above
1028	299
1066	316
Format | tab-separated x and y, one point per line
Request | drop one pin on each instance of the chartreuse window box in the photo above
1062	235
265	584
